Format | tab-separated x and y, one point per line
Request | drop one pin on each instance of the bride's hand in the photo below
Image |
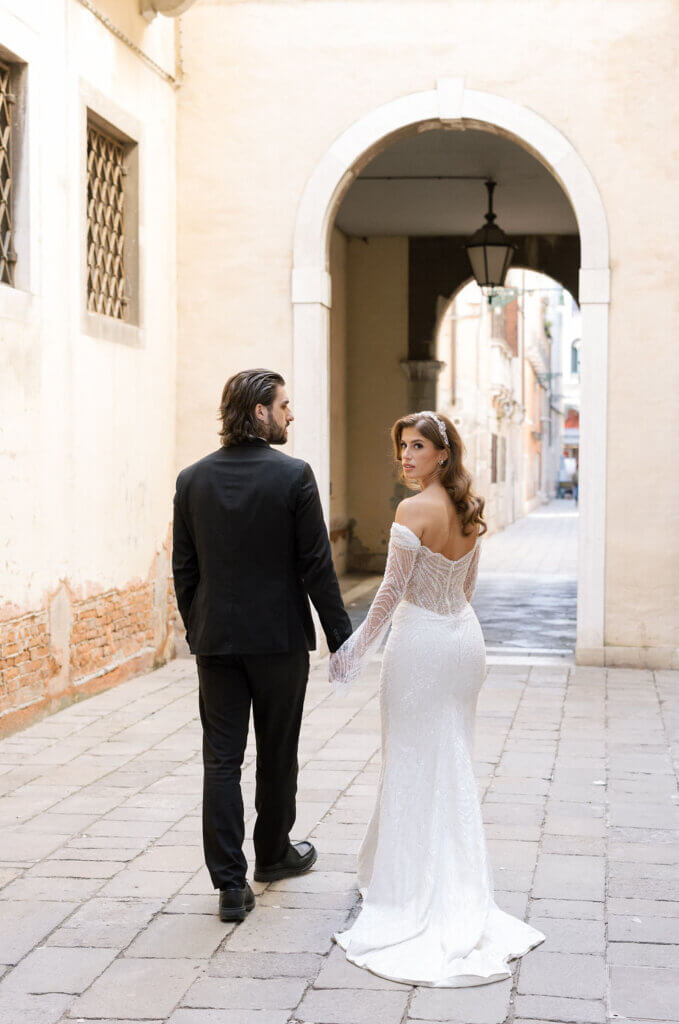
334	667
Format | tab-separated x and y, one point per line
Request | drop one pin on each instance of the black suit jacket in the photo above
249	548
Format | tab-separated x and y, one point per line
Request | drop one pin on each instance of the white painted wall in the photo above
287	81
87	426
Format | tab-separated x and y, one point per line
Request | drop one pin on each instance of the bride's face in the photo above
419	457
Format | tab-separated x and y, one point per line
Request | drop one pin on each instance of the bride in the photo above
428	915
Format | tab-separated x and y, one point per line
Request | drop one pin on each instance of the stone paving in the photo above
107	914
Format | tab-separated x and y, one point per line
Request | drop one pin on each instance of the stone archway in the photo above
448	105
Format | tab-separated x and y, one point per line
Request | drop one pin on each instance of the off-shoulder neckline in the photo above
439	554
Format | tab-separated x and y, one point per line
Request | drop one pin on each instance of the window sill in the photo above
106	328
17	304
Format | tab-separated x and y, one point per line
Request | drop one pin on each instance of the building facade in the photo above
88	329
297	181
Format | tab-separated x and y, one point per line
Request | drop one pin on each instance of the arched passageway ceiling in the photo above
431	183
429	187
451	104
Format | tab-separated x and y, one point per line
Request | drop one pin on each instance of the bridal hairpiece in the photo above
439	423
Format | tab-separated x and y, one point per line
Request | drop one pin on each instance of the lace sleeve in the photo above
469	585
353	655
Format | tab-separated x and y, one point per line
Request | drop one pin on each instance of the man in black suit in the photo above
250	547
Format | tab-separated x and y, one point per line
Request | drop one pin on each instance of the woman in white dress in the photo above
428	915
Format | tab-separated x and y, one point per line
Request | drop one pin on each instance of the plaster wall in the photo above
339	509
303	73
377	340
87	431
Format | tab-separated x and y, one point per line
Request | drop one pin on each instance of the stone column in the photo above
422	376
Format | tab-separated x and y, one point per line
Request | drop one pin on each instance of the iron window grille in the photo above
7	254
106	291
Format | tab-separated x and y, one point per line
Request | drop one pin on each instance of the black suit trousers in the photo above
274	685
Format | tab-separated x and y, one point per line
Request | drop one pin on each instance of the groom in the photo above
249	548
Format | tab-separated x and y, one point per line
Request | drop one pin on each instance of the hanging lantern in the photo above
489	250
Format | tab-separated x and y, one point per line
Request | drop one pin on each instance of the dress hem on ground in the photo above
483	967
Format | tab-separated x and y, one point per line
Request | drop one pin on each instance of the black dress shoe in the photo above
299	858
234	904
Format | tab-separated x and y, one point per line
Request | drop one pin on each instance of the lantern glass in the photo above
489	250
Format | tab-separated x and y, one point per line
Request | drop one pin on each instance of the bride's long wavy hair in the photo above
455	478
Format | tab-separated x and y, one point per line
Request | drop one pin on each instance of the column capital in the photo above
422	369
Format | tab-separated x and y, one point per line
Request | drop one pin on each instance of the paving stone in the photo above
585	910
105	923
137	988
229	964
563	825
54	969
513	814
570	935
26	1009
318	881
183	1016
191	903
170	858
640	888
553	1008
570	877
352	1006
312	900
508	853
524	833
593	846
246	993
626	870
68	889
658	853
21	847
338	972
287	931
117	830
168	936
8	874
483	1004
131	882
514	903
642	954
23	924
646	929
644	992
58	869
642	908
562	974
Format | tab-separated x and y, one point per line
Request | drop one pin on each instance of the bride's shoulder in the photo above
412	513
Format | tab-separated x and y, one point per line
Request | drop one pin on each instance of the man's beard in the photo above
274	433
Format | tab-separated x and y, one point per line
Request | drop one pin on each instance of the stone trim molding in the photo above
452	103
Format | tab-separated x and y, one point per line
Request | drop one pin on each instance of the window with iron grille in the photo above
106	286
7	254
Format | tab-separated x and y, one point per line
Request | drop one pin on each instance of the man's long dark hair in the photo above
241	394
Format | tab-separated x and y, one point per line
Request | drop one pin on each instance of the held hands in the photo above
334	667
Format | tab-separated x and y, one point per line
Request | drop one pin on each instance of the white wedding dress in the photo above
428	915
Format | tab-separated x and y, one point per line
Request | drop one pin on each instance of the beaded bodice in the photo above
413	573
437	583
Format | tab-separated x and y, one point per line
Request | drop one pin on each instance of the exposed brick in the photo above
113	634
